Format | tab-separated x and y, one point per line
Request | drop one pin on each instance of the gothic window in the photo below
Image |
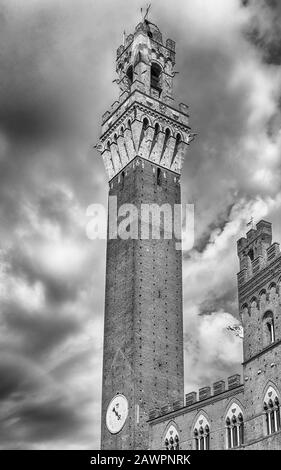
268	329
201	433
234	423
172	441
271	408
155	77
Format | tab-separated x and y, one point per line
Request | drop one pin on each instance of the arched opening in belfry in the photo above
155	77
251	254
130	74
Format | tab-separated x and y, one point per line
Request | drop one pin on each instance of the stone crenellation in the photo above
204	393
256	251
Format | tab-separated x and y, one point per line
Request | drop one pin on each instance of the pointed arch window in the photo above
234	423
172	441
271	408
201	433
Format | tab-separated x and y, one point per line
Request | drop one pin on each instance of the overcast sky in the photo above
57	62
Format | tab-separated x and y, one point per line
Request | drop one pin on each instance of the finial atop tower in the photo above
145	15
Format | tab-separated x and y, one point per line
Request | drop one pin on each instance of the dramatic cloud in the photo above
57	66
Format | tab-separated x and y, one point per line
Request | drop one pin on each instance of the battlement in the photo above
263	230
219	387
256	251
147	29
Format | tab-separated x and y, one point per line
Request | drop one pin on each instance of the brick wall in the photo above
143	337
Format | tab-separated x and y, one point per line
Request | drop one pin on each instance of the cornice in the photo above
150	112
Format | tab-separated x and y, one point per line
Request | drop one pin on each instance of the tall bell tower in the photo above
143	142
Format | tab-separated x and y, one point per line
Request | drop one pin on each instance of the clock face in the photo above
116	414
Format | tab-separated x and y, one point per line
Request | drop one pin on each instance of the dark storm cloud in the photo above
265	28
48	86
57	288
11	379
38	95
49	420
49	121
34	403
29	108
217	301
55	206
39	332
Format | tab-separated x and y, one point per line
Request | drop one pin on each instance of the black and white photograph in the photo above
140	228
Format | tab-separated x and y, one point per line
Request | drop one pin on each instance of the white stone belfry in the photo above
145	121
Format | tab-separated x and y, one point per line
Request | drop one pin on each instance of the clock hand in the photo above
117	414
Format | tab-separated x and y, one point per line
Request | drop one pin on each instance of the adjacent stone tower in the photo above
143	142
259	282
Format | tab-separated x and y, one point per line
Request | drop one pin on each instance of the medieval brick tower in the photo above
259	306
144	138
